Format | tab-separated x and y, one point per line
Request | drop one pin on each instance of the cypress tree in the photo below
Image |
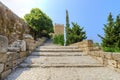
68	29
108	41
67	19
117	32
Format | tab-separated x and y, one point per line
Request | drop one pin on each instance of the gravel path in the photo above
62	66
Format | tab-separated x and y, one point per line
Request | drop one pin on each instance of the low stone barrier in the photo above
110	59
14	54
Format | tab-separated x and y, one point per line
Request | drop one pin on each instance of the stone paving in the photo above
54	65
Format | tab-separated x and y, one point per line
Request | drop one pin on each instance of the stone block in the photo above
116	56
8	65
23	45
3	44
32	46
105	61
16	62
17	46
112	63
14	49
16	55
102	54
29	43
92	53
108	55
27	36
1	67
23	54
4	57
5	74
99	59
118	65
96	53
21	59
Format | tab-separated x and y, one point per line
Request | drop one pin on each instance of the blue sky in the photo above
90	14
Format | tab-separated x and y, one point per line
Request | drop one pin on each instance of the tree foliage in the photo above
111	39
59	39
40	23
76	34
67	19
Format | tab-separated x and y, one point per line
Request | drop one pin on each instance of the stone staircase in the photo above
51	62
59	56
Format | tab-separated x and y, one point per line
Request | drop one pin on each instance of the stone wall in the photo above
15	43
58	29
11	25
109	59
11	56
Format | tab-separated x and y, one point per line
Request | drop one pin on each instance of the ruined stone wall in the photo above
109	59
11	56
58	29
11	25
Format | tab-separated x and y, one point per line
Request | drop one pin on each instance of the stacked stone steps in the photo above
60	65
59	56
49	54
58	49
60	59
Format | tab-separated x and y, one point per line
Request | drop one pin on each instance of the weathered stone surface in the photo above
97	53
108	55
13	23
102	54
91	53
27	36
14	49
100	59
1	67
6	57
16	62
5	74
118	66
112	63
3	44
17	46
116	56
29	44
16	55
23	45
23	54
105	61
8	65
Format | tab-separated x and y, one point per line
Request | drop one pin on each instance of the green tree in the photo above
77	34
117	33
39	22
67	19
111	39
108	41
68	29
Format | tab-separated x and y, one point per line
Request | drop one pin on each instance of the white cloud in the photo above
21	7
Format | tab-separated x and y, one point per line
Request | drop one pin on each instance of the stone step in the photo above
58	54
60	60
24	65
57	47
58	50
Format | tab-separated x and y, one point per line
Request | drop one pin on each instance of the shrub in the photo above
58	39
108	49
